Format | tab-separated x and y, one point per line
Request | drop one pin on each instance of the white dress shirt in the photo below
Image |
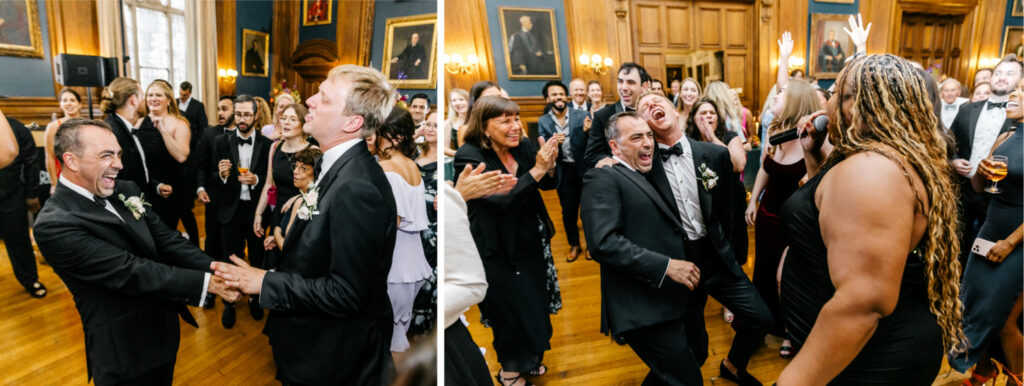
562	127
582	107
138	145
333	154
184	105
949	110
985	133
110	208
682	177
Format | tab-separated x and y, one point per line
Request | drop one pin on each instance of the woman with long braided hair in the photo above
870	287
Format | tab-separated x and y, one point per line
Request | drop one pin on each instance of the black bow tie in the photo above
676	149
245	141
993	105
317	167
100	201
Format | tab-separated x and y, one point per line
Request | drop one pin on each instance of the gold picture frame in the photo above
22	36
403	61
316	12
835	1
547	61
255	53
1010	35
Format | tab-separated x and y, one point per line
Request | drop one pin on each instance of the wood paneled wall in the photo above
465	33
227	36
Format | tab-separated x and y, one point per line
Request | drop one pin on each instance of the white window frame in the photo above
130	9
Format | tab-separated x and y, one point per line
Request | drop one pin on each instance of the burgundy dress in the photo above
769	240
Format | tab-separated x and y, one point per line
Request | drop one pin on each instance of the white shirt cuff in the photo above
206	284
201	189
662	281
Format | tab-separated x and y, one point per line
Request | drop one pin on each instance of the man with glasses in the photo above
241	157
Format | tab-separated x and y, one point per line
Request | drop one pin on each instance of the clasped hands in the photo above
239	276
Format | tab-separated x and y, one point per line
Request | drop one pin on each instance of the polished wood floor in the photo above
581	355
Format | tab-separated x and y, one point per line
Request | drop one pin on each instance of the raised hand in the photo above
547	154
224	167
474	183
810	139
219	288
241	276
858	34
786	45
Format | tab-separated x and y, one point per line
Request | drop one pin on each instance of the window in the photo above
156	41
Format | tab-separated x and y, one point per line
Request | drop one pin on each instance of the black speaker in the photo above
84	70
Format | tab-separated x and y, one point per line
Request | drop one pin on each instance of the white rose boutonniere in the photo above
307	209
708	177
136	204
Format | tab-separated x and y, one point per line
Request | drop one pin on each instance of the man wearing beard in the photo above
242	157
566	126
976	127
632	80
204	170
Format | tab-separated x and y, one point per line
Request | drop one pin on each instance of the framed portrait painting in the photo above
1013	41
530	41
255	53
19	29
410	53
316	12
830	45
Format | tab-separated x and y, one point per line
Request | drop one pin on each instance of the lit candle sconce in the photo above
455	64
228	76
596	64
796	63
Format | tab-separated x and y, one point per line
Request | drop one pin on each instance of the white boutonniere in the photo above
708	177
136	204
307	209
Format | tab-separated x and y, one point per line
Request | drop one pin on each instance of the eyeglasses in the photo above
244	115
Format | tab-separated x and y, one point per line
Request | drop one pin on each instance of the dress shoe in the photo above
574	253
254	308
742	377
228	317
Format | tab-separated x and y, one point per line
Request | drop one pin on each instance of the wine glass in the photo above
998	170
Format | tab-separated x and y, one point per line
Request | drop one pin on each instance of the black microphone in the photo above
820	124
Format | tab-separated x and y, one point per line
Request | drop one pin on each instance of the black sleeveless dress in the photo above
284	164
164	169
905	349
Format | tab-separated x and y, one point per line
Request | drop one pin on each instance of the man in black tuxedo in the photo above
578	93
129	274
693	177
566	126
237	192
638	240
331	318
206	173
632	81
18	182
975	128
195	112
121	119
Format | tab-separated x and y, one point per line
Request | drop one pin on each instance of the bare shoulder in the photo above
870	177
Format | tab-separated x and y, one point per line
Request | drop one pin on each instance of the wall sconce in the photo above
796	63
228	76
595	64
456	65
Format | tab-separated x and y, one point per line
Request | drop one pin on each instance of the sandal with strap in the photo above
978	379
502	381
786	351
539	371
37	291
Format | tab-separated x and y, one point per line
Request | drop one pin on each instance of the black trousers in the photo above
237	235
663	347
14	232
753	320
163	375
188	219
569	191
213	245
463	363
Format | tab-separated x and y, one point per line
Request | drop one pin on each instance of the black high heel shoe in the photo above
741	377
501	381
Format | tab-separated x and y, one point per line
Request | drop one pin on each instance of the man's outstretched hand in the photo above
240	275
219	288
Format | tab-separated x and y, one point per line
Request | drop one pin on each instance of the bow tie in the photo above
246	141
949	107
676	149
100	201
133	131
993	105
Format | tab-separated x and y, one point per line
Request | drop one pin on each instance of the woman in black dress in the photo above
512	230
282	163
164	135
289	214
870	287
426	299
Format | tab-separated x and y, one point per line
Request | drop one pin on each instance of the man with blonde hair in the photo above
331	319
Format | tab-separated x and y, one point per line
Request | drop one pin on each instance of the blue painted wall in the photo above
818	7
255	15
386	9
526	87
34	76
323	31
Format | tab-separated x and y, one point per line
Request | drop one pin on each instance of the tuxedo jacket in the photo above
132	168
963	129
196	116
633	233
715	203
130	280
331	318
206	175
597	143
227	193
577	138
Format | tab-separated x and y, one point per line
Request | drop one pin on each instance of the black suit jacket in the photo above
206	176
227	193
132	168
577	139
130	280
597	144
331	318
196	116
715	203
963	129
632	232
22	175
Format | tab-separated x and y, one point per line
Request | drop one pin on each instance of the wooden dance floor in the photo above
581	355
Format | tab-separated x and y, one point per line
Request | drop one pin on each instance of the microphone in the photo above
820	125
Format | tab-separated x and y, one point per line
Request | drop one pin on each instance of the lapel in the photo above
660	181
646	187
975	114
289	239
87	210
259	150
700	156
233	147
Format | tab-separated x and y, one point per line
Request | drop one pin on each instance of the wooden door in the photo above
932	40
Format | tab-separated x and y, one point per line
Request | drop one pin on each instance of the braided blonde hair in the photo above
893	116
